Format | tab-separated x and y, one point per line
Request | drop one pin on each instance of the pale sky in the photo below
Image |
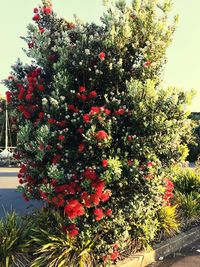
182	69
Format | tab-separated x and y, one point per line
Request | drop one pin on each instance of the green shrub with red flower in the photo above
94	128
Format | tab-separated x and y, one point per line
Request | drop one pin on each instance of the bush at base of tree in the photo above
94	127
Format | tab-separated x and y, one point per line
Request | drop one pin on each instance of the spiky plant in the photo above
14	237
168	221
188	205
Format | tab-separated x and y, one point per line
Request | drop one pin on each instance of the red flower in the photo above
108	212
27	114
169	186
62	123
56	159
102	56
22	168
28	97
21	93
51	121
71	107
36	17
48	147
21	108
35	10
86	199
130	163
83	97
98	185
61	137
89	174
114	255
41	115
74	209
58	201
82	89
30	45
95	110
98	214
47	10
150	164
21	181
101	135
86	118
120	111
95	199
92	94
41	29
130	138
8	96
41	88
147	63
73	230
104	163
81	148
115	246
105	196
73	188
107	111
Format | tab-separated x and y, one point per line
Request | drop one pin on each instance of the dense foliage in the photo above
94	127
187	194
194	149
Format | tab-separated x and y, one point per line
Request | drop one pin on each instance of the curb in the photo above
165	248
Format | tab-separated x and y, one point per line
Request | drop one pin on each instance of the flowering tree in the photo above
94	128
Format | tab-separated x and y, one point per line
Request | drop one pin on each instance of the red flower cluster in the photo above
104	163
72	230
98	214
8	96
119	112
86	118
81	148
74	209
47	10
61	137
58	200
36	17
92	94
89	174
102	56
147	63
169	187
112	256
26	93
101	135
82	94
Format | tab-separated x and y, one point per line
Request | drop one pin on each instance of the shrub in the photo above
94	127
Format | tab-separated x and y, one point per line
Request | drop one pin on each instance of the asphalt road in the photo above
10	199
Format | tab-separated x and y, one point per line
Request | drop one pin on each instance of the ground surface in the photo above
187	257
9	197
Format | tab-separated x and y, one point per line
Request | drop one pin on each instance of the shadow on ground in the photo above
10	199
